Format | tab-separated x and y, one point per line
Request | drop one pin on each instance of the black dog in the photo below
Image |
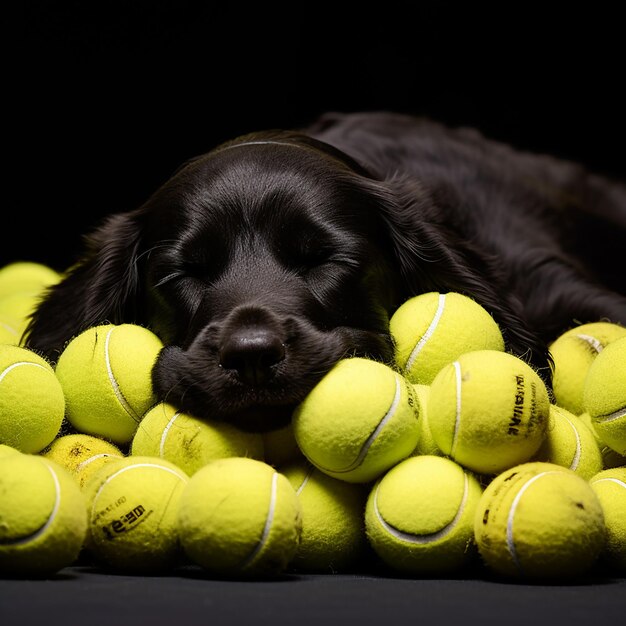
263	262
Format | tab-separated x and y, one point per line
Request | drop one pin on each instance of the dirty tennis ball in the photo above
572	353
610	487
604	395
81	455
539	521
433	329
32	404
106	375
358	421
239	517
488	410
132	506
42	516
571	443
420	516
333	533
189	442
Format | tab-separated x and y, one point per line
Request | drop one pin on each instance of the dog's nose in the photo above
252	352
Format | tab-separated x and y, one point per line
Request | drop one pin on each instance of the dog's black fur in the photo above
263	262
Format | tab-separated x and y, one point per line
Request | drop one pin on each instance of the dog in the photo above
263	262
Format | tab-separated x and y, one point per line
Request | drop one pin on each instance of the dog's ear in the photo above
432	256
102	287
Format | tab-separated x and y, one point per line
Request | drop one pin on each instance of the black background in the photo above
103	100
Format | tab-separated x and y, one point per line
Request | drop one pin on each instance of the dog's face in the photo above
259	264
259	281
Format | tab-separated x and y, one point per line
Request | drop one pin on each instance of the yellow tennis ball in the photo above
539	520
81	455
358	421
189	442
419	516
239	517
610	487
26	276
604	395
571	443
10	333
106	375
425	441
488	410
132	506
42	516
610	458
32	404
333	532
573	352
7	450
280	446
433	329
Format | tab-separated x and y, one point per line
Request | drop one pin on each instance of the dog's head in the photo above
259	264
262	263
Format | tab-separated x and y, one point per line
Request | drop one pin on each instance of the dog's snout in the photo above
251	352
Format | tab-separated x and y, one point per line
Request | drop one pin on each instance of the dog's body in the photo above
263	262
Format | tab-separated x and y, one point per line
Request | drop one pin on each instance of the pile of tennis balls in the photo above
453	456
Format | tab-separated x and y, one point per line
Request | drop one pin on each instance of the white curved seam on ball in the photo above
510	542
611	417
592	341
459	406
42	529
116	388
576	460
165	433
431	537
95	457
131	467
370	440
9	328
617	481
305	481
429	332
17	364
269	520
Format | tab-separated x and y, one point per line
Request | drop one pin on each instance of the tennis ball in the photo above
572	353
571	443
31	400
610	458
106	375
333	532
42	516
10	333
189	442
26	276
7	450
425	442
488	410
239	517
358	421
433	329
539	520
610	487
280	446
81	455
604	395
419	516
132	506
